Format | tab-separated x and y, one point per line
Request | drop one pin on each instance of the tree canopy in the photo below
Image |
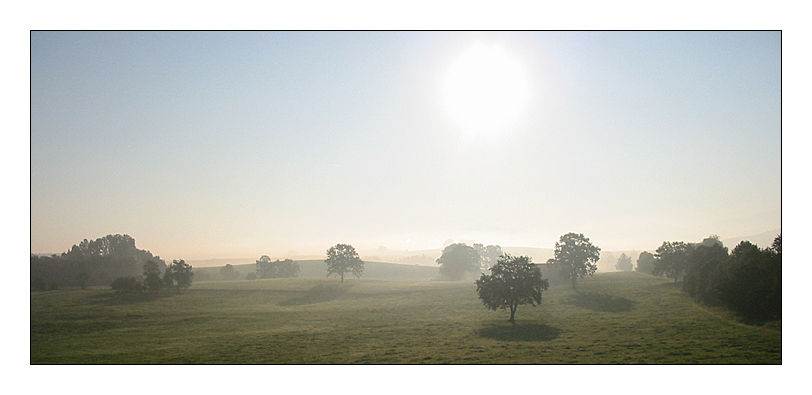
670	259
645	263
92	262
152	277
341	259
276	269
576	257
458	259
513	281
179	275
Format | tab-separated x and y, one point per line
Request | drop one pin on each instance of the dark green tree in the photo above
752	286
624	263
645	263
704	270
179	275
671	258
458	259
341	259
152	276
513	281
575	257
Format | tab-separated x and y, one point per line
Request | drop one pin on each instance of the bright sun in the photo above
485	90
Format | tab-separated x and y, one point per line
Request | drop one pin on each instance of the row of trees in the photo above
94	262
177	276
746	280
276	269
575	257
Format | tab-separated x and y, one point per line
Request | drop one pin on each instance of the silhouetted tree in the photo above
513	281
624	263
342	258
777	245
576	257
458	259
178	275
152	277
670	259
645	263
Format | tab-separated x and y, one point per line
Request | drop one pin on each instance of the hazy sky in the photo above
225	145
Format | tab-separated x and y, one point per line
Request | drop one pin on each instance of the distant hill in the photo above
318	269
763	240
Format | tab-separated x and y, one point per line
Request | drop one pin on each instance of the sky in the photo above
205	145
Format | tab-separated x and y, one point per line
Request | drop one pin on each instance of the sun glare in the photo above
485	90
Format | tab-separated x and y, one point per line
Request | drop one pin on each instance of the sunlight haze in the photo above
212	145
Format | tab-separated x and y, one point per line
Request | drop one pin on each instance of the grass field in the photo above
613	318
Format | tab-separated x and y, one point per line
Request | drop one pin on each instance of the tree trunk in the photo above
512	314
342	277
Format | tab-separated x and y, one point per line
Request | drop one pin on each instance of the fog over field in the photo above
409	198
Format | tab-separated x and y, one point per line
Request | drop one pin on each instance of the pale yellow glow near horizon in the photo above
485	90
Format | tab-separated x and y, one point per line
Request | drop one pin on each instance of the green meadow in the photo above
612	318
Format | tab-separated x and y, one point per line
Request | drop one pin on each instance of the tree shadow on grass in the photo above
520	332
123	298
601	302
318	294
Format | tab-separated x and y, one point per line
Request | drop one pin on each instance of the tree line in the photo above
746	280
91	262
177	276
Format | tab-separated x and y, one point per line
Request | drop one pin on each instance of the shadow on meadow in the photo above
319	294
116	298
520	332
600	302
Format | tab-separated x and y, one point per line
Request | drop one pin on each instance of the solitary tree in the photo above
458	259
152	276
178	275
670	259
624	263
576	257
513	281
342	258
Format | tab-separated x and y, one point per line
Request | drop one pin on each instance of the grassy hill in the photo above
613	318
318	269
